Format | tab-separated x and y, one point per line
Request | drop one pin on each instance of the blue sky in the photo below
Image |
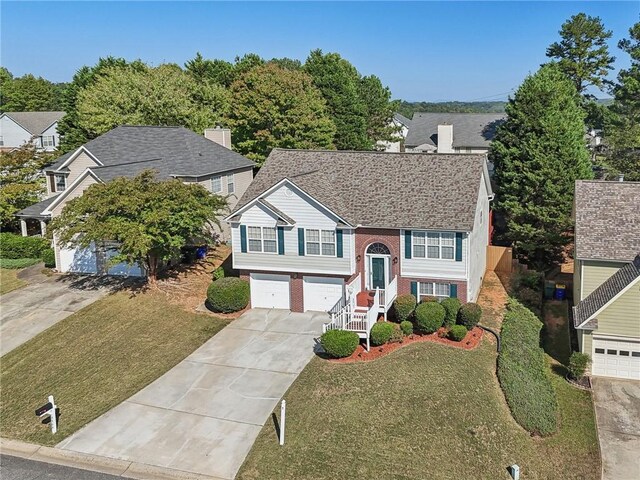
422	50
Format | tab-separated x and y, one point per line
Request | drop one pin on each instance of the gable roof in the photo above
607	220
605	293
37	209
398	117
469	129
35	122
171	151
379	189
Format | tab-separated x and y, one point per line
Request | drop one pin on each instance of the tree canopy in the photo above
274	107
149	220
28	93
538	154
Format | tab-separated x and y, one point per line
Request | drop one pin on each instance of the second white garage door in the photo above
321	293
270	291
614	358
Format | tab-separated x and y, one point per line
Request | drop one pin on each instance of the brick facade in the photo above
388	237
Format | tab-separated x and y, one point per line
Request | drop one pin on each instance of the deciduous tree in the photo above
379	110
28	93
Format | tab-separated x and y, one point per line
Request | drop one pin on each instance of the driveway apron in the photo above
204	414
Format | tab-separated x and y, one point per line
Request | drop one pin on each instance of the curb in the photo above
96	463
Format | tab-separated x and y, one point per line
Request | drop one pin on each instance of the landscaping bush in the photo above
17	246
530	298
48	257
578	363
451	307
428	299
381	333
397	335
406	327
469	315
429	316
339	343
228	294
522	371
17	263
457	333
404	305
218	273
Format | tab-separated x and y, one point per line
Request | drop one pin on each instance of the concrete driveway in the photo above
204	414
617	405
26	312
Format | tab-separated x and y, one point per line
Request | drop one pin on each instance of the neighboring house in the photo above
607	276
452	132
173	152
316	229
41	128
401	123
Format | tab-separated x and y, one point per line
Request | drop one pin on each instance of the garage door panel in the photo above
270	291
78	260
321	293
616	358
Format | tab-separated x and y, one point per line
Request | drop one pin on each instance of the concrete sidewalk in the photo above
204	414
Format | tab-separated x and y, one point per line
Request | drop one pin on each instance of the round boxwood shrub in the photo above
49	258
229	294
397	335
428	299
429	316
404	305
469	315
381	333
339	343
457	333
406	327
578	363
451	307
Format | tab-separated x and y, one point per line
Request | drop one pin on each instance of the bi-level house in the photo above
125	151
607	276
39	128
317	230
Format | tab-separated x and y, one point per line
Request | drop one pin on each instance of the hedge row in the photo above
17	246
522	371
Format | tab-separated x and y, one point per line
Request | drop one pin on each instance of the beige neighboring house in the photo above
607	276
125	151
40	128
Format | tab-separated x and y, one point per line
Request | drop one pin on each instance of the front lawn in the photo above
425	411
95	359
9	280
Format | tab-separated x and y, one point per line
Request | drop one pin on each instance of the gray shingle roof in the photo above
35	210
606	292
378	189
35	122
469	129
402	119
173	151
607	220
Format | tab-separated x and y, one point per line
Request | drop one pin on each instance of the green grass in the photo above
95	359
17	263
555	335
425	411
9	280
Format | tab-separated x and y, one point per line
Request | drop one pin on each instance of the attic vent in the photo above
288	192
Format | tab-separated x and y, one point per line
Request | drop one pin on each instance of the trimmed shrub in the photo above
406	327
228	294
17	263
429	316
530	298
381	333
397	335
428	299
339	343
469	315
451	307
457	333
403	306
578	363
218	273
48	257
17	246
523	372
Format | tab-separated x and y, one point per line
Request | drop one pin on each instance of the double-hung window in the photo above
216	184
231	184
263	239
430	289
47	141
321	242
61	182
436	245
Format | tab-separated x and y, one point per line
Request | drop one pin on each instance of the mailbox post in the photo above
49	409
283	414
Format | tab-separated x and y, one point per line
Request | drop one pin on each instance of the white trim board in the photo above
69	189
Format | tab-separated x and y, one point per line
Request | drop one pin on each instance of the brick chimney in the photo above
445	138
221	136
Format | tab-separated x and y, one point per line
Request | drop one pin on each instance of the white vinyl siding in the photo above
476	258
433	268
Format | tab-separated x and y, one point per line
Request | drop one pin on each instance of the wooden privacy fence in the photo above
499	259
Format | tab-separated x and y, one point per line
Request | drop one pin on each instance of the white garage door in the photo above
614	358
321	293
269	291
123	268
78	260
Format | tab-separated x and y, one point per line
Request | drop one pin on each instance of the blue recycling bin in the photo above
201	252
561	291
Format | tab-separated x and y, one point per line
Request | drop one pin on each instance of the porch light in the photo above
358	258
395	260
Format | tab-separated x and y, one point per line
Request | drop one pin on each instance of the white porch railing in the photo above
390	293
344	317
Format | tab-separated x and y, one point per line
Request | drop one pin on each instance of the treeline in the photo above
409	108
321	103
29	93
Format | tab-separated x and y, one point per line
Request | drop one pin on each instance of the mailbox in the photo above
51	412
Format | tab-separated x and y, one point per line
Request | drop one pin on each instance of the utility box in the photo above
514	470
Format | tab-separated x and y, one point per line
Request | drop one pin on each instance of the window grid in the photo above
434	245
321	242
433	289
231	186
216	184
262	239
61	183
47	141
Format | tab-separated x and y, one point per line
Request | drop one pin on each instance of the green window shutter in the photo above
339	243
453	291
458	246
414	289
243	238
407	244
280	240
301	242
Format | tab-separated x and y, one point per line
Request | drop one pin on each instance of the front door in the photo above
378	279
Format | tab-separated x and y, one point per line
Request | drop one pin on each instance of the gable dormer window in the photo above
60	182
48	141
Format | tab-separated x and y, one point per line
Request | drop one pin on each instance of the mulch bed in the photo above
584	383
471	341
